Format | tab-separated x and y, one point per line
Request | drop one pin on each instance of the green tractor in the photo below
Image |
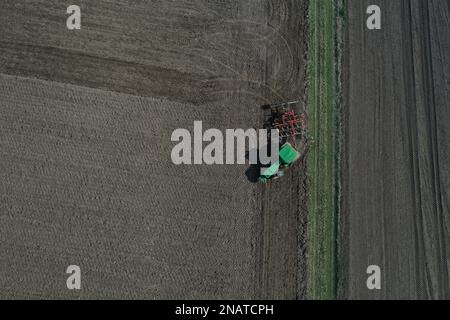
288	155
291	126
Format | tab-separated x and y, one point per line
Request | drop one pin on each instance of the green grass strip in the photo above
321	164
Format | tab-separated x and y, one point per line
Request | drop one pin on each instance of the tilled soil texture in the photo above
397	170
85	153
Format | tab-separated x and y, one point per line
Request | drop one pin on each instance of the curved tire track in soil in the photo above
100	159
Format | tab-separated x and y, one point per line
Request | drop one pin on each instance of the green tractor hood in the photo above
288	155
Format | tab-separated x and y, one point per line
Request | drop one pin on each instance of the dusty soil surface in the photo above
86	175
396	172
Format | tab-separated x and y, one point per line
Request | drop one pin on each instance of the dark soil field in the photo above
397	171
86	176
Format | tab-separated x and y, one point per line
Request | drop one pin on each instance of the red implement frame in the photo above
285	119
288	123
